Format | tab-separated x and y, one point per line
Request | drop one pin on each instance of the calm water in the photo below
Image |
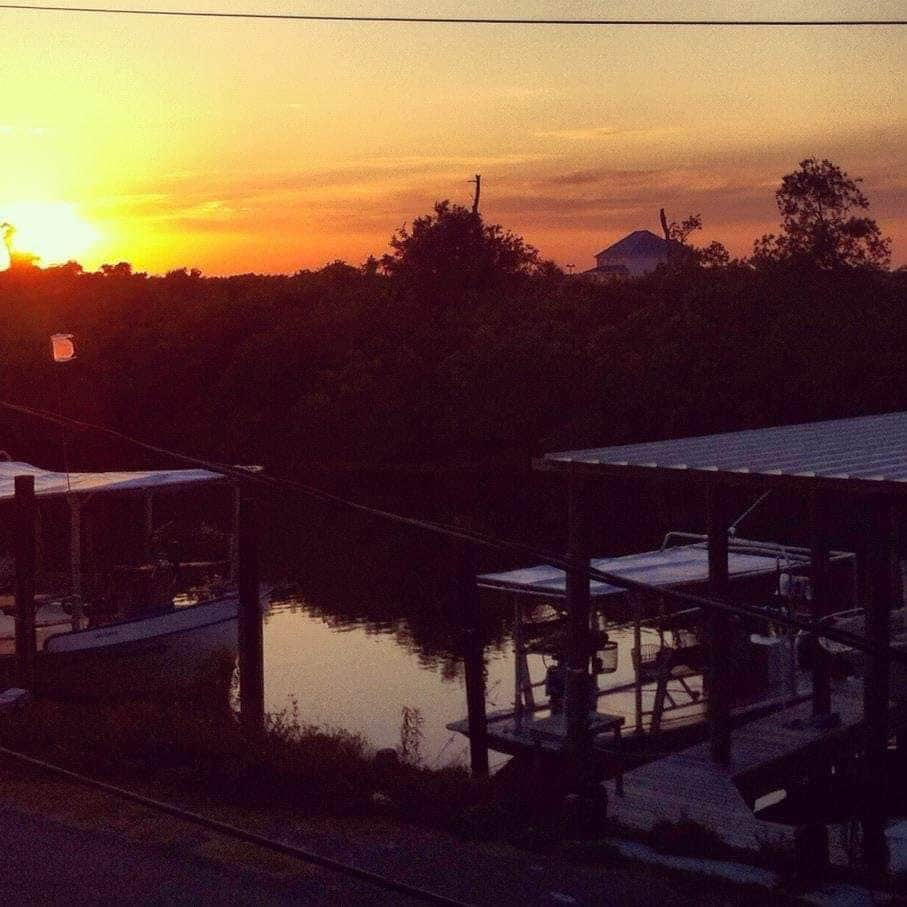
358	677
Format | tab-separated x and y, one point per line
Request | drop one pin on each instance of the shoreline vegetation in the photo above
198	757
198	750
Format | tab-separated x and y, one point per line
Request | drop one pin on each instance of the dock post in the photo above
251	644
518	658
636	599
880	560
579	744
818	547
26	522
75	558
235	500
148	525
718	706
473	660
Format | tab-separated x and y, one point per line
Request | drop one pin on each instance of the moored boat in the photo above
128	636
186	650
653	652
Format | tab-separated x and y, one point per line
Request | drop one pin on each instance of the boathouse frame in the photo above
860	460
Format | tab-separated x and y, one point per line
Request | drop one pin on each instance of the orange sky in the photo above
270	146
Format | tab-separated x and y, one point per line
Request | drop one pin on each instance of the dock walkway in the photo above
689	785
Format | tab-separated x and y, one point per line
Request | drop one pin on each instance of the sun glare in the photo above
53	231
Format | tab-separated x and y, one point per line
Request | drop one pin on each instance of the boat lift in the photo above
668	655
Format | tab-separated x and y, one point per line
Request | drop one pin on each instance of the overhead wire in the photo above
234	831
458	20
467	536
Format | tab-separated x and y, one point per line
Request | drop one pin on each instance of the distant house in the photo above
638	253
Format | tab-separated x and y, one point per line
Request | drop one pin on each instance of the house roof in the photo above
860	454
642	243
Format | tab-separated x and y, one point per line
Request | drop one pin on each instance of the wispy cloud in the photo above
602	133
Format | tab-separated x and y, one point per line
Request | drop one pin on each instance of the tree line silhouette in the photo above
463	349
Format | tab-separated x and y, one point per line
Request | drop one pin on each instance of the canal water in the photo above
360	677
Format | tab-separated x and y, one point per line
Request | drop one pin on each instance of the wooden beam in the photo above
819	549
148	525
75	558
519	656
881	552
26	523
637	604
578	602
251	641
235	497
718	702
473	659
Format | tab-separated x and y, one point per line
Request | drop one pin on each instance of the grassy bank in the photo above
181	749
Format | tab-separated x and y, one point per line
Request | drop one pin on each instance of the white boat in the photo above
187	650
174	648
660	687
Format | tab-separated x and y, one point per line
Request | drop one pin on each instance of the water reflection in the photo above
359	675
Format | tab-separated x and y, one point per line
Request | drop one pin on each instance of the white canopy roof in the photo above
55	483
670	567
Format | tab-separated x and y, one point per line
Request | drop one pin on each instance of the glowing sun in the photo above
53	231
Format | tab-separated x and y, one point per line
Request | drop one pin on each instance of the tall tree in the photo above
452	250
821	222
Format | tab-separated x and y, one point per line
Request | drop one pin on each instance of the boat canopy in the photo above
676	566
59	483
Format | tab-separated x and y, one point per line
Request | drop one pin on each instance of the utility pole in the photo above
475	200
667	232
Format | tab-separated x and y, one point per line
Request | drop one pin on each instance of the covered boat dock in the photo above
859	463
78	488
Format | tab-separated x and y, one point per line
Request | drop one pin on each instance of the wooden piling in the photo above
473	659
75	558
880	554
579	743
235	500
818	546
718	703
251	643
637	603
519	657
148	526
26	523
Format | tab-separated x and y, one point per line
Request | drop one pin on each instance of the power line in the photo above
460	534
460	20
234	831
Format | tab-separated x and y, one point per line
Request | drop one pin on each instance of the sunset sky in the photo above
238	146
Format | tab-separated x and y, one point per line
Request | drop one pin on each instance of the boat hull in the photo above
188	652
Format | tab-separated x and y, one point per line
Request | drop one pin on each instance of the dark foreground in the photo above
65	844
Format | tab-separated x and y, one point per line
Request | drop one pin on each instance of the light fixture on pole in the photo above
63	350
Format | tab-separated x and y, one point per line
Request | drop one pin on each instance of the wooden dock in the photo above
689	785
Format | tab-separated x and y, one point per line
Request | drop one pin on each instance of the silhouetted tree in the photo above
820	226
120	269
683	254
680	232
453	250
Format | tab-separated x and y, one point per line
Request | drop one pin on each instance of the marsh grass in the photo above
181	748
